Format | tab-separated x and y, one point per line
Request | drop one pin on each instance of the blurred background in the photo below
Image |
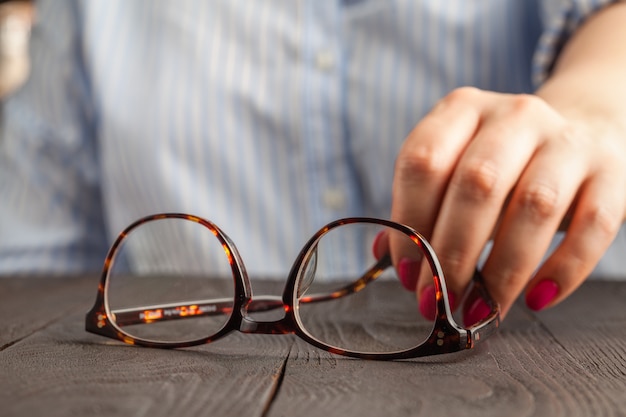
16	19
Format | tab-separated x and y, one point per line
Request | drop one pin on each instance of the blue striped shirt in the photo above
270	118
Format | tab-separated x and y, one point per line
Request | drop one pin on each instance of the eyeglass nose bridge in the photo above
282	325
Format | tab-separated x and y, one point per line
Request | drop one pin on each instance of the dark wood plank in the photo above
591	327
568	361
55	368
535	366
28	304
63	370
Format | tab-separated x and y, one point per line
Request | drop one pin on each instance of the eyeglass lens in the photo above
364	320
165	270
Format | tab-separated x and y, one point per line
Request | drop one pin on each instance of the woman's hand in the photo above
485	165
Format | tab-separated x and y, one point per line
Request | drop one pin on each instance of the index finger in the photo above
424	166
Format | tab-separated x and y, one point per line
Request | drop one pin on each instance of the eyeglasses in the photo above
176	280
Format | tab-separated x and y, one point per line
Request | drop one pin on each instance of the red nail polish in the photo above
408	271
542	294
428	302
428	306
377	251
477	311
451	300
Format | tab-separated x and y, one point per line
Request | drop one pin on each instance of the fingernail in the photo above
376	250
478	311
408	270
542	295
428	302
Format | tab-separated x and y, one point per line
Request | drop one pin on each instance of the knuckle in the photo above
602	220
571	136
540	201
451	259
420	162
462	95
576	260
455	263
508	280
478	180
513	277
524	104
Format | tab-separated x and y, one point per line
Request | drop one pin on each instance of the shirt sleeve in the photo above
560	18
50	205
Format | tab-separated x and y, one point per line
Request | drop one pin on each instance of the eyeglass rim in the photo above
447	336
454	336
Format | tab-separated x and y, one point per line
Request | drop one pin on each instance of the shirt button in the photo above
324	60
334	199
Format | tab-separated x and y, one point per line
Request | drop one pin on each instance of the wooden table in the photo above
568	361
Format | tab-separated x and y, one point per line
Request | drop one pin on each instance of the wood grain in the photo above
558	363
51	366
29	304
63	370
568	361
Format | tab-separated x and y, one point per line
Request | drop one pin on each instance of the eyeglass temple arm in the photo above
156	313
369	276
162	312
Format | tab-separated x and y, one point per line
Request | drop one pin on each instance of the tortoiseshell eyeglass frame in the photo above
446	336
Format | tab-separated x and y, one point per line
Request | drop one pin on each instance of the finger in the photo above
478	189
424	166
380	247
540	201
593	227
428	156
